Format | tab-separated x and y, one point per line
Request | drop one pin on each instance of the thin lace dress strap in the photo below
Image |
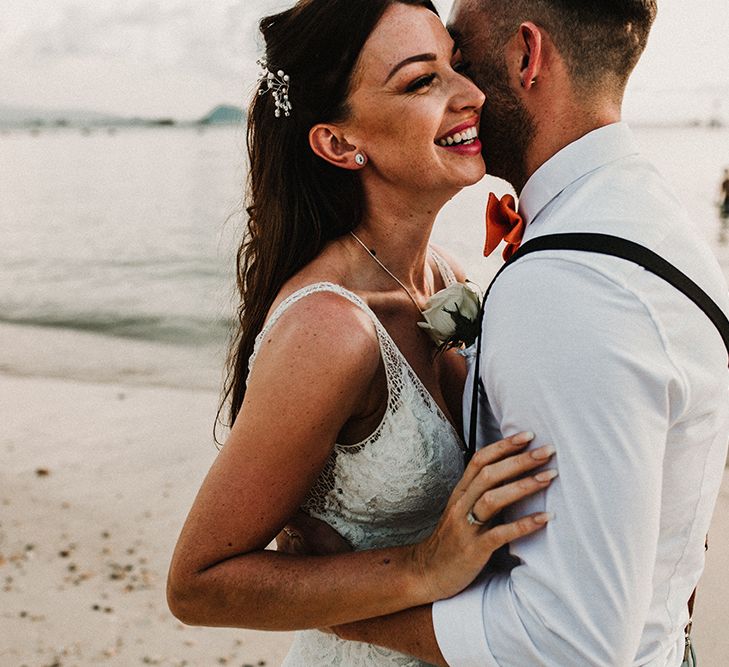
446	272
389	355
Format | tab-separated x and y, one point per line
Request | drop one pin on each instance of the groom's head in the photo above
541	62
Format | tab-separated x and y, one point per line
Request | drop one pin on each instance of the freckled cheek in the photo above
409	135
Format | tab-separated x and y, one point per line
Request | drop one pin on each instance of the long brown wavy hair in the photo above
296	202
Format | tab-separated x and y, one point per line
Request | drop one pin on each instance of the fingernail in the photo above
544	517
543	452
523	438
546	476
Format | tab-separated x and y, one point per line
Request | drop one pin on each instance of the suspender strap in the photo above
473	426
605	244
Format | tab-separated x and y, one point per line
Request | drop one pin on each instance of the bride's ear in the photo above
329	143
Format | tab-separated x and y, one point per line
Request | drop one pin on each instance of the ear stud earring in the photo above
360	159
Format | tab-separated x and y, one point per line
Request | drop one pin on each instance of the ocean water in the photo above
128	234
132	235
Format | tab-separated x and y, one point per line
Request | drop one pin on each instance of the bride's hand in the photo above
306	536
454	555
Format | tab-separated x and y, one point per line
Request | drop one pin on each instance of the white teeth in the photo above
464	137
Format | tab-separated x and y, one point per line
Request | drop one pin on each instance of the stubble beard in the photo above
507	128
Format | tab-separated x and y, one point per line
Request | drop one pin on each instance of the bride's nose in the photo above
466	95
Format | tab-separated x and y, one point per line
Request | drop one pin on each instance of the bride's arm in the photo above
308	380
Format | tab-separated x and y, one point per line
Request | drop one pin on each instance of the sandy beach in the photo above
96	480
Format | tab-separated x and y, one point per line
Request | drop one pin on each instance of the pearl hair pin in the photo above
278	84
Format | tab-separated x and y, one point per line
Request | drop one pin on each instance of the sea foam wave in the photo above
158	328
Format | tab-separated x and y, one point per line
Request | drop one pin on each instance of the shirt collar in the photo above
594	150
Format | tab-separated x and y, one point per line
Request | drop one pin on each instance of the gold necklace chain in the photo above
387	271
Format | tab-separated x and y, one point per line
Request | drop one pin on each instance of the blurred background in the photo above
122	167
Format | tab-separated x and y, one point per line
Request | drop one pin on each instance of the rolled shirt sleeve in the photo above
579	360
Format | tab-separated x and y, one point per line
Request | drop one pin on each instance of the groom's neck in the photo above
562	123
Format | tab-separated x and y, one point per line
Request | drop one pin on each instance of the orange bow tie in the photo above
503	223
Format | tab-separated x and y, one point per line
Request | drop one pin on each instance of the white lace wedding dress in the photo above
390	489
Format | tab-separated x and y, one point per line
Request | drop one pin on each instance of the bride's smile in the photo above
462	136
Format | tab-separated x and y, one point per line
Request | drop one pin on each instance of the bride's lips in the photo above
462	139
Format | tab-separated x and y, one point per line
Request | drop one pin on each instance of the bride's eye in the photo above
422	82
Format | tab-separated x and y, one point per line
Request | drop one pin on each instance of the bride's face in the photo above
414	113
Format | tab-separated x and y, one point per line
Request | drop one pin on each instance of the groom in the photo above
620	371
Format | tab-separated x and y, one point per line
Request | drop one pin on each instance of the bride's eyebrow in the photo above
420	58
423	57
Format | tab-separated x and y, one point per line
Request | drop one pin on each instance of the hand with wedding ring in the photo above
463	542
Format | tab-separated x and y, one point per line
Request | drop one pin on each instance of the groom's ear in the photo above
330	144
530	43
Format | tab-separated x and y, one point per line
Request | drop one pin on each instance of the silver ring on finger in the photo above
473	521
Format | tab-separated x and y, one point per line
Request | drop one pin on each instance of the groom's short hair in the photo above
599	39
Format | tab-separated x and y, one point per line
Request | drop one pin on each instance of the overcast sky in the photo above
181	57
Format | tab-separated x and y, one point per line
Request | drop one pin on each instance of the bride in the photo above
364	127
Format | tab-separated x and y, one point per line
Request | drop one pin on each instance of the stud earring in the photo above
360	159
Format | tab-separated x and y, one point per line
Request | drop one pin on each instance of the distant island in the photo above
38	119
224	115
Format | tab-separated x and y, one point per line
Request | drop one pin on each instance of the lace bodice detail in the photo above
390	489
444	268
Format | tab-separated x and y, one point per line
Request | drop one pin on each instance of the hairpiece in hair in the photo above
278	84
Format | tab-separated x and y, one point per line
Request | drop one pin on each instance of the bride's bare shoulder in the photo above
323	322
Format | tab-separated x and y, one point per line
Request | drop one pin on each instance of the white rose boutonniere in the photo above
452	315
